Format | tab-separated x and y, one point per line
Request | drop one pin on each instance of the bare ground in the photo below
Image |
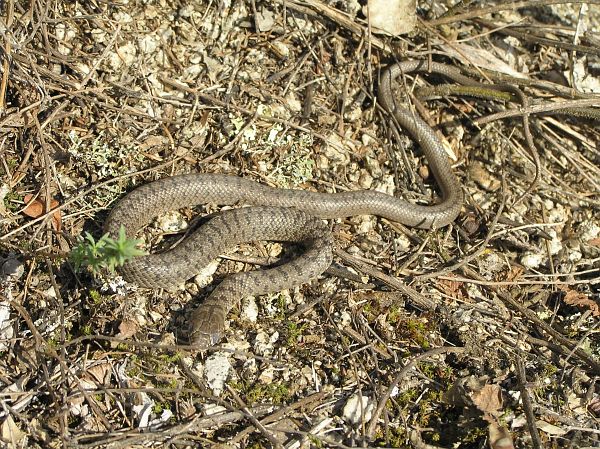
482	334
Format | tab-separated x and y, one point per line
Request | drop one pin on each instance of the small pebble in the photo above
352	409
532	260
216	371
13	268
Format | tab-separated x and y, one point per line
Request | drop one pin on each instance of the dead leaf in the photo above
451	288
36	207
99	374
127	329
488	399
550	429
460	393
594	406
11	433
594	242
514	274
574	298
499	437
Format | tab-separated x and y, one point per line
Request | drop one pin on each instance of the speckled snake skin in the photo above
281	215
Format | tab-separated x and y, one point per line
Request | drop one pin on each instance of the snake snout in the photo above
203	340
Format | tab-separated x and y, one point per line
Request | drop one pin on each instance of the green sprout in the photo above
105	253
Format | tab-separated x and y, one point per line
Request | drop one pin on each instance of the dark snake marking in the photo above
281	215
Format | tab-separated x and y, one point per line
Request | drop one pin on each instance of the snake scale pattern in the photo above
278	215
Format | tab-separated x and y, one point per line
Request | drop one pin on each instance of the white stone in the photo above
354	115
64	34
403	243
386	185
99	35
216	371
588	230
148	44
532	260
583	80
392	16
205	277
249	310
365	181
123	17
366	224
292	102
267	375
264	343
171	222
128	53
265	20
557	214
345	319
352	410
555	244
334	150
366	139
373	166
281	48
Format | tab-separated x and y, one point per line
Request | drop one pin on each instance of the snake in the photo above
274	214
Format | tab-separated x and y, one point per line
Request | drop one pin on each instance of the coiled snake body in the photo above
281	215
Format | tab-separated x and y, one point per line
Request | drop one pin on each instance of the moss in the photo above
134	369
393	437
170	358
394	315
255	393
293	333
104	155
315	442
406	397
475	435
414	330
96	297
158	407
12	201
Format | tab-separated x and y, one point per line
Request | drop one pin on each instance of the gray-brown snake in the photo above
281	215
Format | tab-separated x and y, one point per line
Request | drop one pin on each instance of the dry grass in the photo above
451	338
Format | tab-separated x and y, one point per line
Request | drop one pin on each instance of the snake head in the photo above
206	324
203	340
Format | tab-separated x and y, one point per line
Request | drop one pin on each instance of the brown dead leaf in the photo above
100	374
499	437
514	274
36	207
472	392
451	288
594	242
581	300
594	406
488	399
127	329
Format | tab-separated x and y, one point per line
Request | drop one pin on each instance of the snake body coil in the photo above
282	215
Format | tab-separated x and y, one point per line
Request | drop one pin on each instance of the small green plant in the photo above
159	407
12	201
95	296
107	253
294	332
275	392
